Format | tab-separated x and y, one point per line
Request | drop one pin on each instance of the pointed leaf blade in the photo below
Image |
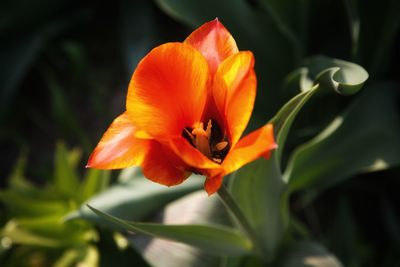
134	190
213	239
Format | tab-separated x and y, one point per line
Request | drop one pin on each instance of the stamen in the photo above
208	129
221	145
211	141
202	143
190	136
217	160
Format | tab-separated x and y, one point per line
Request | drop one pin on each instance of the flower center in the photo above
209	141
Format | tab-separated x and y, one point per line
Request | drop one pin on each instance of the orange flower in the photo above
187	106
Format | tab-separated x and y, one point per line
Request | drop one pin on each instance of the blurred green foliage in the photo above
64	70
34	232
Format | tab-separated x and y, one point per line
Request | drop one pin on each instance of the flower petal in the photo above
163	167
168	90
256	144
119	148
212	184
235	91
214	42
190	155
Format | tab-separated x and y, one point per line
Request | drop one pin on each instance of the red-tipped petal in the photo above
214	42
119	148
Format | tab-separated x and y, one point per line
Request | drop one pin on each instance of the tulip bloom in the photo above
186	109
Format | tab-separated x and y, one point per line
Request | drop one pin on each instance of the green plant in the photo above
35	233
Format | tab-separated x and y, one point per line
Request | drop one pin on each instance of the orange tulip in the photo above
187	106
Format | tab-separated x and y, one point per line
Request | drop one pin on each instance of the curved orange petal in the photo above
168	90
214	42
190	155
163	167
254	145
234	92
212	184
119	148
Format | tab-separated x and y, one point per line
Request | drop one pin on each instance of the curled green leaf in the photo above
333	74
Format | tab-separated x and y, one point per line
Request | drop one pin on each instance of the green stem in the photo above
238	215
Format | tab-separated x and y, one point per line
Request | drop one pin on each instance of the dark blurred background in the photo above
65	68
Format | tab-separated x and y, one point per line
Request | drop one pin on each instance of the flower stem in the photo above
238	215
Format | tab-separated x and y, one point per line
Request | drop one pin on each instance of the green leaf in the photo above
21	205
91	258
283	120
64	116
308	254
199	208
68	258
258	189
22	236
94	182
364	138
17	181
75	233
50	225
217	240
86	256
113	252
134	197
65	176
342	76
267	208
262	180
